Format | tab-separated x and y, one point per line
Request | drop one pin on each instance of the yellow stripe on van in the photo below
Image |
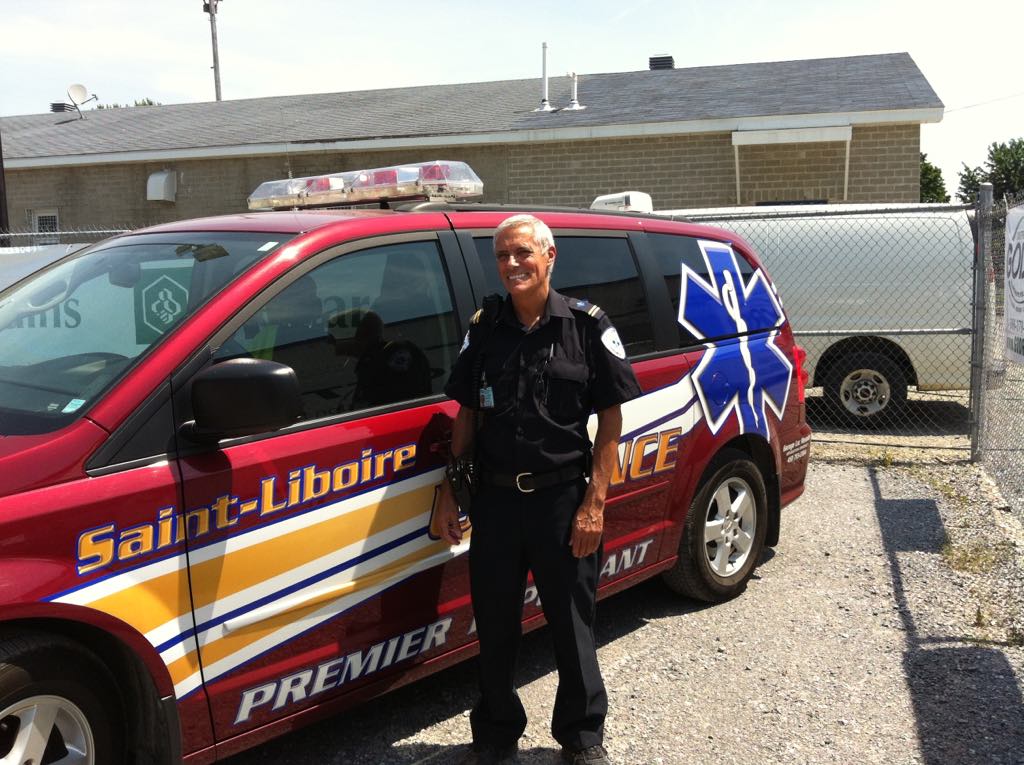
183	668
233	642
221	577
152	603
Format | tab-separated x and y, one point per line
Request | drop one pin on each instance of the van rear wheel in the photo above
866	389
724	532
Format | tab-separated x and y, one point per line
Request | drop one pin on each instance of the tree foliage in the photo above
933	188
971	179
138	102
1004	169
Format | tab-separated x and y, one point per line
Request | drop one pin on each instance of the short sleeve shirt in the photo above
538	388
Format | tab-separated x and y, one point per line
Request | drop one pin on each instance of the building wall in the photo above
885	164
884	167
678	171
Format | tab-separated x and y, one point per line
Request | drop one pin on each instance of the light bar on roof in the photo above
437	181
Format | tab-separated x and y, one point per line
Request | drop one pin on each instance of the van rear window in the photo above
672	251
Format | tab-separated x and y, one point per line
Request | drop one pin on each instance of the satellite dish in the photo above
77	93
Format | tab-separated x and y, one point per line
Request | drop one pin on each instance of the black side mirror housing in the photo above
242	397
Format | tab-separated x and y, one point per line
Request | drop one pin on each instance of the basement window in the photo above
46	222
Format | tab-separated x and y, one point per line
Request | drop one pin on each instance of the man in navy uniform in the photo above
528	380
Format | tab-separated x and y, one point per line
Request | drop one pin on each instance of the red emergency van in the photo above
221	441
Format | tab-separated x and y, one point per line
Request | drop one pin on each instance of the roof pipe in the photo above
545	104
574	102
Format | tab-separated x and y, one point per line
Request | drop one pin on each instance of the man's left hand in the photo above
587	528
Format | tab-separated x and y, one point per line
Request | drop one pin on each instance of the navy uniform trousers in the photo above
515	532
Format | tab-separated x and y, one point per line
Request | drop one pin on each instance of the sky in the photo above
161	49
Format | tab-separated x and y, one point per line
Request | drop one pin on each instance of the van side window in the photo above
673	251
367	329
599	269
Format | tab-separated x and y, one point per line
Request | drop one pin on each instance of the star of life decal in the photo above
750	375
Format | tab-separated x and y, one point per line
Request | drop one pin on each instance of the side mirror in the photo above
242	397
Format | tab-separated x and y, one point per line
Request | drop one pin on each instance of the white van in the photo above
879	295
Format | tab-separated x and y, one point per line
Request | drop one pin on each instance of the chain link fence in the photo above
881	297
999	437
44	237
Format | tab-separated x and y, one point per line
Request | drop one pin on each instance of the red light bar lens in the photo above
440	180
434	172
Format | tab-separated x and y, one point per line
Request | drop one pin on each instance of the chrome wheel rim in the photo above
864	392
729	527
45	730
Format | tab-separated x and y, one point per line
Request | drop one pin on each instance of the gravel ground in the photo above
1004	435
887	627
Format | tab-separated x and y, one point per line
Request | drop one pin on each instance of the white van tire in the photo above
723	536
866	389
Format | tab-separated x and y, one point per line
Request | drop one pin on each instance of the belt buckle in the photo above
520	486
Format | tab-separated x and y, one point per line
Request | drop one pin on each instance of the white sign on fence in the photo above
1014	295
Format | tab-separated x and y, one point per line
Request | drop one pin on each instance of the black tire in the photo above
61	677
695	574
866	389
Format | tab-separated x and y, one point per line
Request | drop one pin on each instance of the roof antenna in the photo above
545	105
574	102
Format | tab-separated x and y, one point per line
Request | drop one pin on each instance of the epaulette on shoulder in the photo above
585	306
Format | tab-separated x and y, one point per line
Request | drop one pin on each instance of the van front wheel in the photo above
866	389
57	703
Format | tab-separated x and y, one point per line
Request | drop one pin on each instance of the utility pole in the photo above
210	7
5	225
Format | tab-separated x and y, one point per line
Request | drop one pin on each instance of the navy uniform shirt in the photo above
544	384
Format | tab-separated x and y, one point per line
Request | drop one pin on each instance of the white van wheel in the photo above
866	388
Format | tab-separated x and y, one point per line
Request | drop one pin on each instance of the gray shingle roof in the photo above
818	86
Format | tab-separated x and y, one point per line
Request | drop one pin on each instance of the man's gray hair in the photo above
542	236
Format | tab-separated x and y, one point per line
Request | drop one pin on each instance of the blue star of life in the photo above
747	375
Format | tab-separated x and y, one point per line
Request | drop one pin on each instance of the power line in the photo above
986	103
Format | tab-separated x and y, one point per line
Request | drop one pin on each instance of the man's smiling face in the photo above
522	264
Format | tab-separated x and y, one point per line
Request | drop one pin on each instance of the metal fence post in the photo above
978	369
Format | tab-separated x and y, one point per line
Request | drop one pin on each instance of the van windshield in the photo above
69	332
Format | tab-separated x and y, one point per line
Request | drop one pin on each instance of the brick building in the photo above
840	129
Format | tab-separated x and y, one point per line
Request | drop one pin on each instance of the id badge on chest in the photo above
487	398
486	395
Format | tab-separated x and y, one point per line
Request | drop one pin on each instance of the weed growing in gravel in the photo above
948	492
975	558
979	617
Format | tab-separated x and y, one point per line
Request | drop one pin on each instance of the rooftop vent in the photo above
662	62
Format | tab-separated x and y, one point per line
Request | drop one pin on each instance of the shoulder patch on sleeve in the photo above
611	341
585	306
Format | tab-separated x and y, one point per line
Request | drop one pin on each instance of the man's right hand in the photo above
448	526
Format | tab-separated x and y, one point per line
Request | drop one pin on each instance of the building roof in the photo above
809	93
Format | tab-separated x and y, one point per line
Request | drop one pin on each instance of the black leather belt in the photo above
528	482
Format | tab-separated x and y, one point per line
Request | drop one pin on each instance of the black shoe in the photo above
592	755
506	756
